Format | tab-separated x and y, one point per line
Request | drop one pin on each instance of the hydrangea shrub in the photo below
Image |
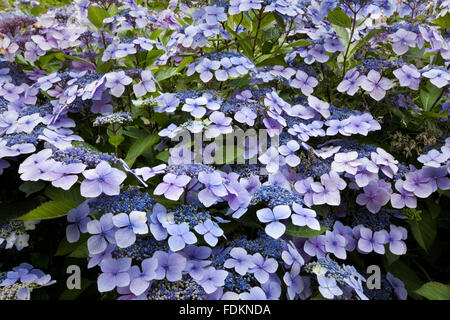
234	150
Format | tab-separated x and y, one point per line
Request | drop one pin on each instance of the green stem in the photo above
349	42
238	25
130	105
287	33
138	63
326	82
257	30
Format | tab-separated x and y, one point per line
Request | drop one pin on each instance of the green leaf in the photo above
50	59
165	73
78	59
339	18
248	221
299	43
268	19
154	35
62	201
363	41
139	147
390	257
270	34
433	207
65	247
429	95
445	193
167	34
246	45
424	231
166	202
270	60
280	21
134	133
426	98
184	62
72	294
247	22
303	232
116	140
402	271
71	196
434	291
443	22
30	187
80	252
359	22
267	47
48	210
163	156
321	210
104	67
239	82
152	56
434	115
113	10
225	155
96	16
35	11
